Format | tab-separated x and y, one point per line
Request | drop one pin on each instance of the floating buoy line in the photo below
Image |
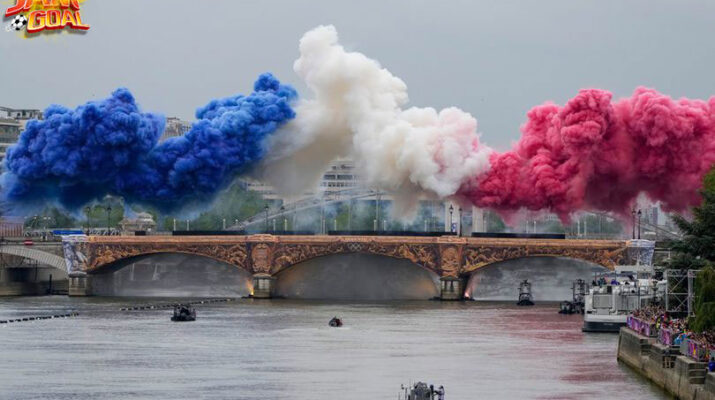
172	305
135	308
42	317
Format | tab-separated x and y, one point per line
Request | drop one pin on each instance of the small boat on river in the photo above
335	322
422	391
525	298
577	303
183	313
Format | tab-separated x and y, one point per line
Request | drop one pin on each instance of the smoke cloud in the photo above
111	147
599	155
591	154
356	111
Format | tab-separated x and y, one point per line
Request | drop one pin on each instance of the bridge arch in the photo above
117	263
40	256
169	274
424	256
551	277
357	276
606	255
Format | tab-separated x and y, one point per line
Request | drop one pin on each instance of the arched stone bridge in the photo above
264	256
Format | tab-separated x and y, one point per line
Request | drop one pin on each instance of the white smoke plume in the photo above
356	111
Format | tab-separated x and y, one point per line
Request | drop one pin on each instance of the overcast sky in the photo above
494	59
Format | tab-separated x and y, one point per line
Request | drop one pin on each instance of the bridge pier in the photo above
451	288
263	286
79	284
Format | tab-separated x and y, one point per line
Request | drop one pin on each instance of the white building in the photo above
175	127
12	123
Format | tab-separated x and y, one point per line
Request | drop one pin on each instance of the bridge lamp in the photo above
639	224
87	210
109	211
633	214
451	210
460	222
285	220
265	208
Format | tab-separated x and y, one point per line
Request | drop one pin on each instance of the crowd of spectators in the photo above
678	326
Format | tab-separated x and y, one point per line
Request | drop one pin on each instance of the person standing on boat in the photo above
440	393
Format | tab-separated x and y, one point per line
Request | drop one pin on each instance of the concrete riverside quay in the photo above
451	258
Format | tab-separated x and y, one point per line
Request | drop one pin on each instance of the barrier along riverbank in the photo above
677	364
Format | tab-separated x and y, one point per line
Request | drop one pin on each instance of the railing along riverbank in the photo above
697	350
668	357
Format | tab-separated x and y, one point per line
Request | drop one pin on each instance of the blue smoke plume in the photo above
111	147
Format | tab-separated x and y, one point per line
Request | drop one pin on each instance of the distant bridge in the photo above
264	256
49	253
336	197
289	209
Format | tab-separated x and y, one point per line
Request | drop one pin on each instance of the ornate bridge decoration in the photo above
266	254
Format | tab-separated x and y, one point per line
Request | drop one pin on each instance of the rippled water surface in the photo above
284	349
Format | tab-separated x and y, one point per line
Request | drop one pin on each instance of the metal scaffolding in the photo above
680	290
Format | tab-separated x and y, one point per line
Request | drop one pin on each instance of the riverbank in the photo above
681	376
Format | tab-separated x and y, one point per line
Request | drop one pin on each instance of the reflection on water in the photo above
284	349
550	277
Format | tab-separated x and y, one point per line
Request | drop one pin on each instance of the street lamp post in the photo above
292	223
87	210
639	224
285	220
322	215
350	214
265	208
109	211
451	210
459	228
633	214
377	211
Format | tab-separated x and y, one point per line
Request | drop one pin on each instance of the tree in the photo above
697	247
704	319
234	203
697	251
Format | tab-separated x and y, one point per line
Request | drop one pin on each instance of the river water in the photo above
284	349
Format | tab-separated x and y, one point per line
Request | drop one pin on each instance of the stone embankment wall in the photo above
683	377
31	282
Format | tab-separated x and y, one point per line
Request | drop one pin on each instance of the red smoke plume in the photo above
593	154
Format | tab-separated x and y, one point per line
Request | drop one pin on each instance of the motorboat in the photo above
576	304
335	322
422	391
567	307
525	298
183	313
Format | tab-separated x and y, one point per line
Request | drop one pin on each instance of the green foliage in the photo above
51	218
704	301
234	204
697	251
494	222
698	244
96	214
